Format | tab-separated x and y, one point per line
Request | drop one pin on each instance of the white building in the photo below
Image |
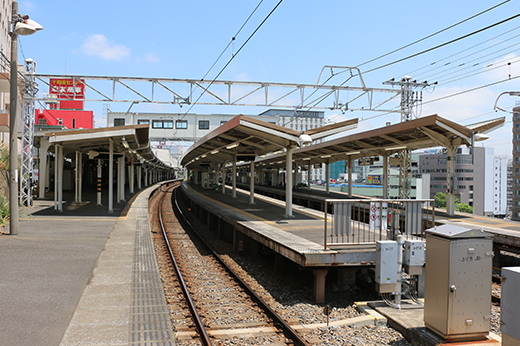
496	192
168	129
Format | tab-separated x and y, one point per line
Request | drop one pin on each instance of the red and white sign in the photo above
65	88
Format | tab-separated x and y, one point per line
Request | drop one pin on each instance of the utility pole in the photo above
409	98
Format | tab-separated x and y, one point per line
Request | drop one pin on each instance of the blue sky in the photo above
182	39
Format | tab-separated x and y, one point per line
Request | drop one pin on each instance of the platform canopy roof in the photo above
425	132
246	138
133	140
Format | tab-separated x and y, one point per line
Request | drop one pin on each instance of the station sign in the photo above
366	162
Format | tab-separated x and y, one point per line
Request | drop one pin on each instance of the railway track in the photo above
209	303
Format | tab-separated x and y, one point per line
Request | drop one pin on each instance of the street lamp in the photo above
510	93
20	25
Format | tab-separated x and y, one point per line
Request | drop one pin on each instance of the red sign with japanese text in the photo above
65	88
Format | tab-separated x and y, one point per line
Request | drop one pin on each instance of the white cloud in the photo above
27	6
151	57
98	45
460	107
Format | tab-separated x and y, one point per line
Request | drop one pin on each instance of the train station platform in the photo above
506	233
82	277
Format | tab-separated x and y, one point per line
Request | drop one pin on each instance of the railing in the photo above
362	221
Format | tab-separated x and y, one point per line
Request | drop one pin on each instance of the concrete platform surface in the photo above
409	321
83	255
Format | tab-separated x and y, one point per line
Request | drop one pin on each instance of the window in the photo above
162	124
181	124
203	124
119	122
73	123
143	121
60	121
222	122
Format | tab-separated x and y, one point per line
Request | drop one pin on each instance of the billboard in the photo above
375	179
65	88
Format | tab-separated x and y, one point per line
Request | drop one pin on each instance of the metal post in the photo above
349	177
139	172
43	176
223	171
76	174
56	146
327	178
99	177
385	176
289	181
80	177
13	147
60	178
234	177
450	193
131	178
400	241
111	176
252	183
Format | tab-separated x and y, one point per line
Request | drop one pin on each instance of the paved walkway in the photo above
82	277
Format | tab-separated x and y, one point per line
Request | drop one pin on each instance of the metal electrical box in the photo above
510	306
413	257
457	301
386	266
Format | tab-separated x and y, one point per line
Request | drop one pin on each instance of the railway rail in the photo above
217	304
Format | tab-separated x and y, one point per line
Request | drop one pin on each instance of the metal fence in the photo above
362	221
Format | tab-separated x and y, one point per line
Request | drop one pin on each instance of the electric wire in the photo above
459	52
466	65
232	57
472	89
487	69
442	44
435	33
232	40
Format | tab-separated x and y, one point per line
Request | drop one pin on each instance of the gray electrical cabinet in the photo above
510	306
413	257
457	296
386	266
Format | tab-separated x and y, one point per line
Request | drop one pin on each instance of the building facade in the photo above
481	178
168	128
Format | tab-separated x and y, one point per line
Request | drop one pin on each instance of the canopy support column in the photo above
234	177
111	176
327	178
99	178
450	193
289	182
252	183
42	167
349	167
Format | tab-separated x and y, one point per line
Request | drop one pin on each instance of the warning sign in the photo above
378	216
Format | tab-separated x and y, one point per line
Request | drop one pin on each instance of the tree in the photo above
464	208
440	200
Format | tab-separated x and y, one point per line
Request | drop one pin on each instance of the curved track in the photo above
221	305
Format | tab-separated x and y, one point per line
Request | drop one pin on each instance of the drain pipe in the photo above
400	241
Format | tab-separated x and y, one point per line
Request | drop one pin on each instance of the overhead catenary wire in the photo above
232	39
460	52
435	33
468	64
442	44
233	57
